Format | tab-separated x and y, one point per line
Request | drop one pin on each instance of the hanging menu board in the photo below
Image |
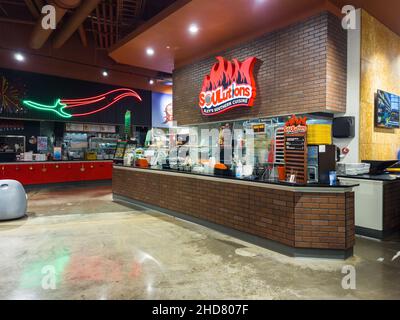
296	156
77	127
295	143
80	127
107	129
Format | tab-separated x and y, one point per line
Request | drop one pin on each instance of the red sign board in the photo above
295	129
230	84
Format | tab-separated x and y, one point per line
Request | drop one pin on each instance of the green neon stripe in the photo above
57	108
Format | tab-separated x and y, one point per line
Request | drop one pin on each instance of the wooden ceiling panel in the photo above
222	23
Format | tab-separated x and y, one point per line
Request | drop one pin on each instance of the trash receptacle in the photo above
13	200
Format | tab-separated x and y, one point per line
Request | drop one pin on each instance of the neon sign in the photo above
229	85
68	108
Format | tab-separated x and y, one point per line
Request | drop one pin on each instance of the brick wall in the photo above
324	220
301	220
391	207
336	66
350	220
300	69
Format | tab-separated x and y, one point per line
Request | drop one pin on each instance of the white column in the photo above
353	91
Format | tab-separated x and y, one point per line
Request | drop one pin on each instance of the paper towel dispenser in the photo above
344	127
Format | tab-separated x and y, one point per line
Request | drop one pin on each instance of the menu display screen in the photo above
295	143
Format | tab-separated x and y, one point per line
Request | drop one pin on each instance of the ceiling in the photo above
114	19
84	47
125	28
223	25
108	22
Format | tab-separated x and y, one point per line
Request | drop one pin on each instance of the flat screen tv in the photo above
387	110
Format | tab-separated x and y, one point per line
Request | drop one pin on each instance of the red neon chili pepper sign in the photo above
68	108
230	84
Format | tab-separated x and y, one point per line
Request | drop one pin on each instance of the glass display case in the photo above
84	146
74	146
248	149
241	149
104	148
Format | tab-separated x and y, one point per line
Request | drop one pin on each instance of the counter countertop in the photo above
386	177
313	187
50	162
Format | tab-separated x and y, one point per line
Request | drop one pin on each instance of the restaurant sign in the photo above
230	84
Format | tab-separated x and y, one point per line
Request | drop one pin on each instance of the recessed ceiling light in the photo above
19	57
168	47
151	81
105	73
193	28
150	51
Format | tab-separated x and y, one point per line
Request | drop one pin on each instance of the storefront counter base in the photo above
52	172
296	221
262	242
372	233
377	206
74	184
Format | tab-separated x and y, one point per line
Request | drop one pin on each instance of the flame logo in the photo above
224	72
230	84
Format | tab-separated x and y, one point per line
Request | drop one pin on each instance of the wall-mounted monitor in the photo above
387	110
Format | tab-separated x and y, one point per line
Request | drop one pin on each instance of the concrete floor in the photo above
84	246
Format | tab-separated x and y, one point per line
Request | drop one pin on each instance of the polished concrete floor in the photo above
77	244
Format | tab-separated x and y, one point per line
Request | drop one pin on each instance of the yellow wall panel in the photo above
319	134
380	70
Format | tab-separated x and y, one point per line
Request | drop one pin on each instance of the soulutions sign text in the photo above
230	84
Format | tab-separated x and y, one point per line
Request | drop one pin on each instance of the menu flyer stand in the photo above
296	153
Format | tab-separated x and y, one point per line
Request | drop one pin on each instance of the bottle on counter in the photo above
239	170
332	178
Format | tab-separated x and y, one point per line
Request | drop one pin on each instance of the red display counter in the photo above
31	173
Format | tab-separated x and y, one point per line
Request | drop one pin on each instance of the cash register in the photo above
380	167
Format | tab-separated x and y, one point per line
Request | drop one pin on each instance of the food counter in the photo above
377	204
34	173
297	220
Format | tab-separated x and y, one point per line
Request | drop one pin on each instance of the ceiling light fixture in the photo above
151	81
19	57
150	51
193	28
105	73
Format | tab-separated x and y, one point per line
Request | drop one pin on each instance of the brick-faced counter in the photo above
297	221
